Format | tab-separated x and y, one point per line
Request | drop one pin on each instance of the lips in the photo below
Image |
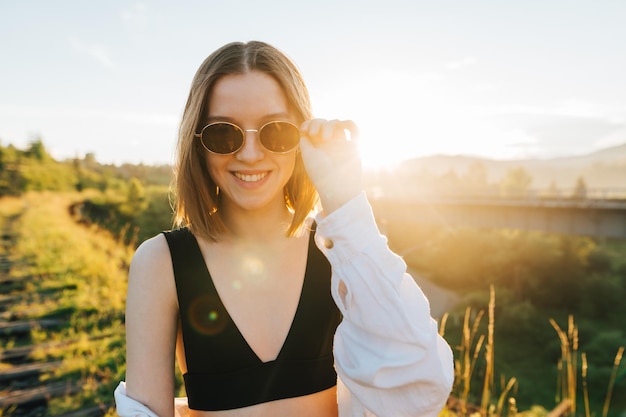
251	177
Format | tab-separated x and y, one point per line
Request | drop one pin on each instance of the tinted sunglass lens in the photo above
222	138
279	136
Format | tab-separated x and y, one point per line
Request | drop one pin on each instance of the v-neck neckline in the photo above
230	319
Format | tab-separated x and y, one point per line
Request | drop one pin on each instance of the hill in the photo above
605	168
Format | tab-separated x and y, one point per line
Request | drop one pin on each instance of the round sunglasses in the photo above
226	138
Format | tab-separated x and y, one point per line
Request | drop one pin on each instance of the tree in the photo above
448	182
475	178
11	179
516	183
135	198
37	150
552	191
580	190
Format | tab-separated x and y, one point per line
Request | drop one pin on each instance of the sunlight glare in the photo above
403	116
254	270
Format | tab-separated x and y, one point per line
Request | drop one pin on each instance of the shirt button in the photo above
328	244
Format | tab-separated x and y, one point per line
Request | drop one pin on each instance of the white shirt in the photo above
389	357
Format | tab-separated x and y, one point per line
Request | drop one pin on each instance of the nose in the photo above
252	150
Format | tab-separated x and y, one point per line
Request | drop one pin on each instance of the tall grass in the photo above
471	345
489	355
499	401
567	365
568	371
609	393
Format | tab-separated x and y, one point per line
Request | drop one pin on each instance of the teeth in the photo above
250	178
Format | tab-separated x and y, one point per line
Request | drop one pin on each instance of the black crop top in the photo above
223	372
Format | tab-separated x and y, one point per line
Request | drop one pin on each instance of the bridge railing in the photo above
530	196
600	217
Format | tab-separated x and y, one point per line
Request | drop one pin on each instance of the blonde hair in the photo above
196	196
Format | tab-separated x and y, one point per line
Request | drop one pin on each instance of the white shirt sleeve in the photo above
389	356
129	407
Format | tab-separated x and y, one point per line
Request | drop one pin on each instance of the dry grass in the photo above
498	401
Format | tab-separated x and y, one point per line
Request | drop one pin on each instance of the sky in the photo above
503	80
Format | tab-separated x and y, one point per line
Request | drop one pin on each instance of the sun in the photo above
403	116
378	151
400	116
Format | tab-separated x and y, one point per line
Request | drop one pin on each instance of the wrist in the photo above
332	201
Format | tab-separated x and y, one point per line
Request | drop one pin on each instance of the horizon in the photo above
487	80
374	168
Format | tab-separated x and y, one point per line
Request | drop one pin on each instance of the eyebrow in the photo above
267	117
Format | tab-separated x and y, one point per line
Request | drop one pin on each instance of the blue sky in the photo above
496	79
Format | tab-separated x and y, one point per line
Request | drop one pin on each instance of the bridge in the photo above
595	217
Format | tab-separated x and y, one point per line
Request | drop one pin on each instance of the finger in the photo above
351	127
305	144
320	130
311	129
315	127
345	130
304	126
330	130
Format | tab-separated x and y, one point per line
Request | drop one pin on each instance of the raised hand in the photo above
331	156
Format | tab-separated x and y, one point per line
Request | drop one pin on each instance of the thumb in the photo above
305	143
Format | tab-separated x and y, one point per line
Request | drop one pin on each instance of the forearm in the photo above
387	349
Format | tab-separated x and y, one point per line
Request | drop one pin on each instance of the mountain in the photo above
605	168
612	155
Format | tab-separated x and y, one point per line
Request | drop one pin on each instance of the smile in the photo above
250	177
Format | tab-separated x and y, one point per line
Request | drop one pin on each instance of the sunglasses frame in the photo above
243	134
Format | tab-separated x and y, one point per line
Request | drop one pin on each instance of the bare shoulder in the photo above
152	252
151	269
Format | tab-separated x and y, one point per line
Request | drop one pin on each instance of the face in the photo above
252	178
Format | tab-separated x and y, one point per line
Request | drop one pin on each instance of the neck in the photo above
264	225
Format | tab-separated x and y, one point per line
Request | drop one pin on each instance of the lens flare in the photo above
254	270
207	315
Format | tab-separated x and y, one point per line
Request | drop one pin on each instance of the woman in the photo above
241	293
